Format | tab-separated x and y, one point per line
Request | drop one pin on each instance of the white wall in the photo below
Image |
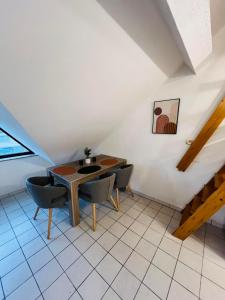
69	72
155	156
13	173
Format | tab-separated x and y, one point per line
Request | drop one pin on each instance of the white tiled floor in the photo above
132	254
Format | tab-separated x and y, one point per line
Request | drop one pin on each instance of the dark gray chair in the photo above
46	196
98	191
123	175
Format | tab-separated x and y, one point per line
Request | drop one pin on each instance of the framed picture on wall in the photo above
165	116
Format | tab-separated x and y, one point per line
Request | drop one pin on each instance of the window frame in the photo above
15	155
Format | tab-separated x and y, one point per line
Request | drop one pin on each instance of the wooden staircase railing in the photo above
207	131
205	204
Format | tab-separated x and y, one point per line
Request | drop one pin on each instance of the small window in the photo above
10	147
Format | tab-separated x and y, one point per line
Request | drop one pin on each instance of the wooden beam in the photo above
207	131
202	214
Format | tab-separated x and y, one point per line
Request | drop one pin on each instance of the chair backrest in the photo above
123	175
42	193
99	190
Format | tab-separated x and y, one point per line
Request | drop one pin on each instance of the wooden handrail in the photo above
207	131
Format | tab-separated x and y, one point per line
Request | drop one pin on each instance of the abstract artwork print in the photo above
165	116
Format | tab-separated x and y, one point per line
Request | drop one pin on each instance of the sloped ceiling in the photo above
69	73
190	23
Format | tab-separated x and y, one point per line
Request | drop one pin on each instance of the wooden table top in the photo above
69	172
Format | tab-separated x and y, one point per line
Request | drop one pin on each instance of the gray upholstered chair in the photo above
98	191
123	175
46	196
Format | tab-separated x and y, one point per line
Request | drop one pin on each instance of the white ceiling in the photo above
190	23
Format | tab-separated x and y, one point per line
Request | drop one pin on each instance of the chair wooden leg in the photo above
118	198
114	203
36	212
49	222
94	216
130	190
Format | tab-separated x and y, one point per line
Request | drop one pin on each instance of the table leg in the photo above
74	205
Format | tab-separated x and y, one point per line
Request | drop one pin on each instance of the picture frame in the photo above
165	116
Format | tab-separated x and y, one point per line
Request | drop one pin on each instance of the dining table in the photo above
74	173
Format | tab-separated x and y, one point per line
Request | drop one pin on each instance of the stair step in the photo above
195	203
207	191
186	213
219	179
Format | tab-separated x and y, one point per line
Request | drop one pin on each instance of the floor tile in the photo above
157	281
78	271
68	256
107	240
133	213
97	233
158	226
137	265
188	278
41	258
164	262
144	219
121	252
62	288
73	233
48	274
161	217
194	244
33	247
10	262
15	278
27	236
8	248
28	290
6	237
23	227
64	225
110	295
146	249
126	284
214	273
93	288
95	254
217	257
138	228
76	296
83	242
108	268
5	227
58	244
106	221
151	212
167	210
117	229
145	294
191	259
170	247
210	291
153	236
178	292
126	220
130	238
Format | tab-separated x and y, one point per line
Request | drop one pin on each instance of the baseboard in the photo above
157	200
11	193
210	221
